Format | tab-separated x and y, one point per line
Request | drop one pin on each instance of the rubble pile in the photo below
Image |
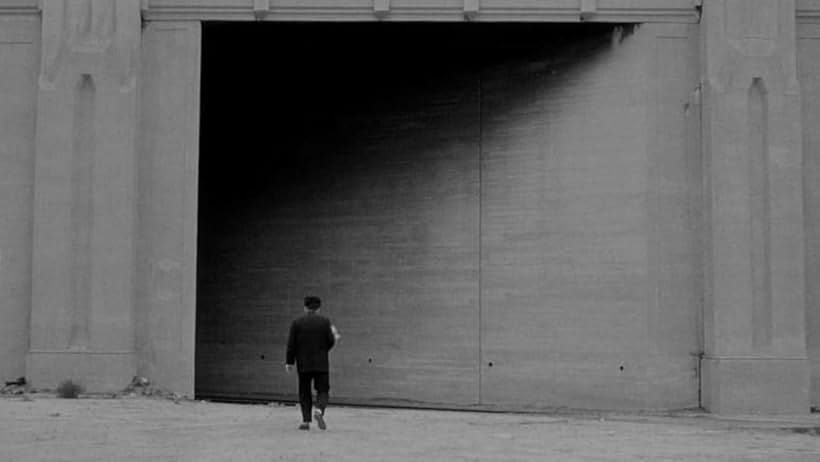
16	387
141	386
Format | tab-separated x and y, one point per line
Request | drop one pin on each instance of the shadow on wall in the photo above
284	105
271	93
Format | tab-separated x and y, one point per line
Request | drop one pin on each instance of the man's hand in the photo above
335	332
288	368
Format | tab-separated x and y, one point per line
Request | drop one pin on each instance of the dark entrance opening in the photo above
348	161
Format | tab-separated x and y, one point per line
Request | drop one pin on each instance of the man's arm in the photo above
290	354
333	336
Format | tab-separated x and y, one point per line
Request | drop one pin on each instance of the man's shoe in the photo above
304	426
320	419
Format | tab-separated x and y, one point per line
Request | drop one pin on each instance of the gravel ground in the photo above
139	428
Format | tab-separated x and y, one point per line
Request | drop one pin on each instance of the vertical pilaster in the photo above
168	174
84	195
755	351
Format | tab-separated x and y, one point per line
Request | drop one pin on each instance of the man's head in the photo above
312	303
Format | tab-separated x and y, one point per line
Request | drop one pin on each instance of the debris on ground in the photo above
813	431
141	386
16	387
281	404
70	389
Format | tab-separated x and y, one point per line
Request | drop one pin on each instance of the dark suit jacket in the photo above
309	340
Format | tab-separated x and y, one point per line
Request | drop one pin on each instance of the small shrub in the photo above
69	389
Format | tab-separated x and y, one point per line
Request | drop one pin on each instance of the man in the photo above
310	338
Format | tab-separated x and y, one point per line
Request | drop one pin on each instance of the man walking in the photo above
310	339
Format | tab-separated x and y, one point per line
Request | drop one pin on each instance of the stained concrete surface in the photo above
130	429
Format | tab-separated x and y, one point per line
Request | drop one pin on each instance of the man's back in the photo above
309	340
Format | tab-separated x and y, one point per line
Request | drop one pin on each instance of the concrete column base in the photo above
755	385
97	371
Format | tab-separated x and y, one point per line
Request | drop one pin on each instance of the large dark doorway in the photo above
438	187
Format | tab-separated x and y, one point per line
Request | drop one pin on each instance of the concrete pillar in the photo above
19	49
84	195
167	182
755	348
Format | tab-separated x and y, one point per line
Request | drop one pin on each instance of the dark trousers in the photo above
321	382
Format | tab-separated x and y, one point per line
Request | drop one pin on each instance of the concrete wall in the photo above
167	178
754	337
808	61
84	200
19	55
641	276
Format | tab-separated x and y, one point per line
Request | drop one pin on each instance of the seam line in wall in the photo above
480	243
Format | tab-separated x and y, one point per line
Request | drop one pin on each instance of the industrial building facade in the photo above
504	204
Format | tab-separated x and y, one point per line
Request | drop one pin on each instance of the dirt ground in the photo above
139	428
